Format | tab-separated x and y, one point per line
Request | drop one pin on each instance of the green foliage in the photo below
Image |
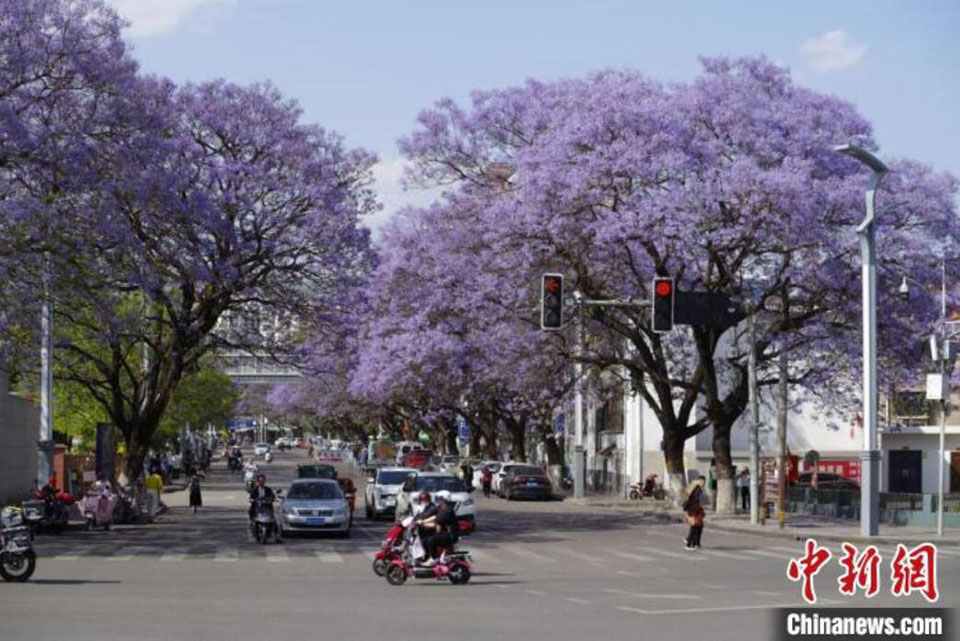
205	397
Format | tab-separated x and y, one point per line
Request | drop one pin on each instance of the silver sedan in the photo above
314	505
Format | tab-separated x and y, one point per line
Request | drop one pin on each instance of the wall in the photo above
929	444
19	425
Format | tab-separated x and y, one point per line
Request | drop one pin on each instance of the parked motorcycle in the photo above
17	558
128	509
650	488
98	507
47	510
264	524
452	565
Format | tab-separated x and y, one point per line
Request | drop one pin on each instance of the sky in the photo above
366	68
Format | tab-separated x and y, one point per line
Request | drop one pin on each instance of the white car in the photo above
478	473
433	482
449	463
260	449
499	475
380	496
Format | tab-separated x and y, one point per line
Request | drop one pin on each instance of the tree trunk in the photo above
675	480
518	434
137	448
551	450
725	500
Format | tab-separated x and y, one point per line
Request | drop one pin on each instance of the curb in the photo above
826	536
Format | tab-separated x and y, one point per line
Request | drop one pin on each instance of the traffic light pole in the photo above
754	425
578	453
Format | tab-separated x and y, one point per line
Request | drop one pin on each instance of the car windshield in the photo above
437	483
315	491
526	470
392	478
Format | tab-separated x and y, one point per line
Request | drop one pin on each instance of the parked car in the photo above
260	449
314	505
383	486
448	462
526	481
499	475
433	482
827	481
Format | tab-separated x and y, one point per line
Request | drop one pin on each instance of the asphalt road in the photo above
542	570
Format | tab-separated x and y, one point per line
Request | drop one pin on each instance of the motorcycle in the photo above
127	509
235	463
264	522
390	547
650	487
452	565
98	508
17	558
47	511
249	477
268	457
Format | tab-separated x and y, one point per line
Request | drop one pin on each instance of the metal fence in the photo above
951	503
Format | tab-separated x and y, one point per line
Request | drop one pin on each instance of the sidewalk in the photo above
798	526
803	526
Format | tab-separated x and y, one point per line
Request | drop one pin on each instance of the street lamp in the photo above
942	354
869	454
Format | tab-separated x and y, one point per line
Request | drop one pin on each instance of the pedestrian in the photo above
743	487
486	479
154	486
195	498
467	470
695	514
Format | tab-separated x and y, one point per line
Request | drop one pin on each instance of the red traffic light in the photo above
663	288
551	284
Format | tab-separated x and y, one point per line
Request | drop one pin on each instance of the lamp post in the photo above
869	454
578	453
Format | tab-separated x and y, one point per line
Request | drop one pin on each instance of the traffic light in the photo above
663	295
551	301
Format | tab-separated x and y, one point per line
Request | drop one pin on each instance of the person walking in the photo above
693	506
467	471
743	487
486	480
196	500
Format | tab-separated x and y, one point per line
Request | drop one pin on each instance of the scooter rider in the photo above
260	491
445	527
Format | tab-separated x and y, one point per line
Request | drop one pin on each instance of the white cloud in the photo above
832	51
155	17
388	183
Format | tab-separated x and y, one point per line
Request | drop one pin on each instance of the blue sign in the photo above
241	423
559	423
464	430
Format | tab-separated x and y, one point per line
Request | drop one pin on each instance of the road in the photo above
542	570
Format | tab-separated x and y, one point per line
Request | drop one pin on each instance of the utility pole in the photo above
782	439
754	424
578	453
45	442
944	402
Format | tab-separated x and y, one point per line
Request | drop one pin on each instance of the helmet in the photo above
424	496
444	495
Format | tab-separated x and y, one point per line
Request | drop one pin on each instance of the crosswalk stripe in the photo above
653	595
572	599
577	554
174	555
277	555
66	557
481	555
123	554
227	554
632	557
794	551
725	554
768	554
669	553
329	557
527	554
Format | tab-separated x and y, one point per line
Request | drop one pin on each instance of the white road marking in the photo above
174	555
277	555
527	554
577	554
481	555
572	599
651	595
125	555
725	554
768	554
713	586
227	554
632	557
66	557
945	552
329	557
731	608
670	553
794	551
765	593
536	592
